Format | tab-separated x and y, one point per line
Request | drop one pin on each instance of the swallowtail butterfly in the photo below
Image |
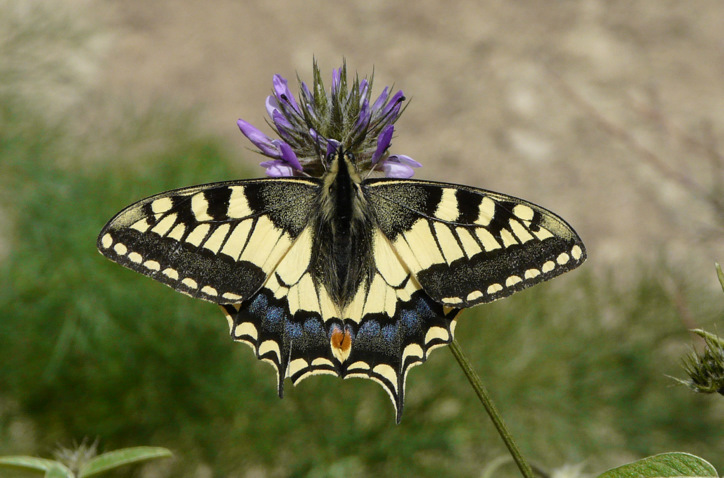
340	275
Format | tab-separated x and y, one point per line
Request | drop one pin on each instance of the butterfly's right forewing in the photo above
217	242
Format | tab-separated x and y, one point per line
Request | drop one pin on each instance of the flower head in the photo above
313	127
706	370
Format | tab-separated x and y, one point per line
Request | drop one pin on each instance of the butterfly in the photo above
338	274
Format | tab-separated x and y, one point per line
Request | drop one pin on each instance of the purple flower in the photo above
288	154
380	101
260	140
393	106
282	91
272	105
270	147
314	134
325	120
336	75
332	146
277	168
364	115
306	94
400	166
363	86
383	142
283	126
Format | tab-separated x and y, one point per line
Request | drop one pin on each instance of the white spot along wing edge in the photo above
218	242
468	246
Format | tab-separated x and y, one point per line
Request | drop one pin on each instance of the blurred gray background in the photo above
610	113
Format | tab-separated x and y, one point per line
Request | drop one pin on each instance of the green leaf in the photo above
720	274
29	463
125	456
678	465
57	470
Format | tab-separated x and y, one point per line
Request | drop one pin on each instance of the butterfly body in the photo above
343	238
342	275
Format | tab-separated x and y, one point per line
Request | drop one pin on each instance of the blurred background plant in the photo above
578	367
705	370
82	461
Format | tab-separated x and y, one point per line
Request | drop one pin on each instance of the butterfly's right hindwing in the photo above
218	242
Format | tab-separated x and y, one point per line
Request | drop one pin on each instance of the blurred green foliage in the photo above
578	367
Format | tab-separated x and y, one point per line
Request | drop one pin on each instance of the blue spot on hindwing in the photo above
369	329
313	327
274	315
423	307
293	330
410	320
258	305
389	333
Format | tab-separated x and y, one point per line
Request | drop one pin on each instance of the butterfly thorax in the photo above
342	244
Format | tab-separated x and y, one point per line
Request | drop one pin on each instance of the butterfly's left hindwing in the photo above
217	242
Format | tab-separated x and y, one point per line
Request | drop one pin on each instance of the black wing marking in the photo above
380	347
389	326
384	347
286	322
216	242
469	246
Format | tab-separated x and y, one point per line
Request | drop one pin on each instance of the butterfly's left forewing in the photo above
467	246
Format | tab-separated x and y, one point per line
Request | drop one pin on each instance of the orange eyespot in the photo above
341	342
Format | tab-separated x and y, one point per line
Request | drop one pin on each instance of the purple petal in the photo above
284	132
287	154
383	142
404	159
380	101
306	93
260	140
332	146
336	75
281	86
397	170
394	112
316	137
395	101
277	168
363	87
281	121
282	91
400	166
272	105
364	114
311	111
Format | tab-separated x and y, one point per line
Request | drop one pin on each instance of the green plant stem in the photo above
493	413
